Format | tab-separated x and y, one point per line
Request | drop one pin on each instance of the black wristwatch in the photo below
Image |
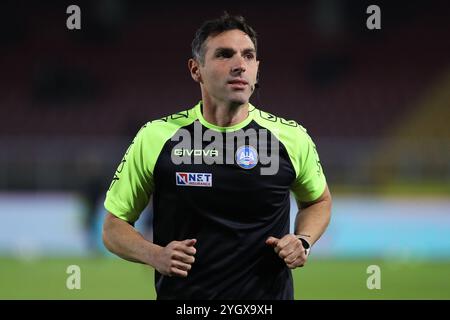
305	244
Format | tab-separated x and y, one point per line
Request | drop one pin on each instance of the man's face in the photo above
230	67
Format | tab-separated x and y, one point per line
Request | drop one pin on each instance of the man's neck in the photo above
222	114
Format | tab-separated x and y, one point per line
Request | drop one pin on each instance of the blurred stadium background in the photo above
376	103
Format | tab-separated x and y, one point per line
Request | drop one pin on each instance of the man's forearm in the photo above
125	241
312	221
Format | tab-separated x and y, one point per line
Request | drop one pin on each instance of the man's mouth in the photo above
238	83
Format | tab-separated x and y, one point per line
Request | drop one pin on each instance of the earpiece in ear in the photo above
257	86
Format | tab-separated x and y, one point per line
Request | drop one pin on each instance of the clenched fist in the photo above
176	258
290	249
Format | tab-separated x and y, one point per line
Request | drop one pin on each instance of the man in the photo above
221	208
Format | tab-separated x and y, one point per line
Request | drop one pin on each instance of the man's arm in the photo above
310	224
124	240
313	217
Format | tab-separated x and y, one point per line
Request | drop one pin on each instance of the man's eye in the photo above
223	55
249	56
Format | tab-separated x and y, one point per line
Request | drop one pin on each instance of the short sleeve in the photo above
132	185
310	181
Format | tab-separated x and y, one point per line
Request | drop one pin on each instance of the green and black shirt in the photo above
227	187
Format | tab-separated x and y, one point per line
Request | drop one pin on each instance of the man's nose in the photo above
238	66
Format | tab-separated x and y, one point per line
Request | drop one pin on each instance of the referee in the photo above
220	174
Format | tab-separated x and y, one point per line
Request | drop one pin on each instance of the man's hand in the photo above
290	249
176	258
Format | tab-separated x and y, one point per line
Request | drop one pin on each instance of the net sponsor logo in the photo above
193	179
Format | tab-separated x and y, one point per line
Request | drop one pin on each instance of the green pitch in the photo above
111	278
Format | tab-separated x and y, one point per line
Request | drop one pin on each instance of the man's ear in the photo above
194	68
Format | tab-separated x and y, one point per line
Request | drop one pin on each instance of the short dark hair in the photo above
215	27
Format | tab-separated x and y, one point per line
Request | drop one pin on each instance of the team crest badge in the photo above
246	157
